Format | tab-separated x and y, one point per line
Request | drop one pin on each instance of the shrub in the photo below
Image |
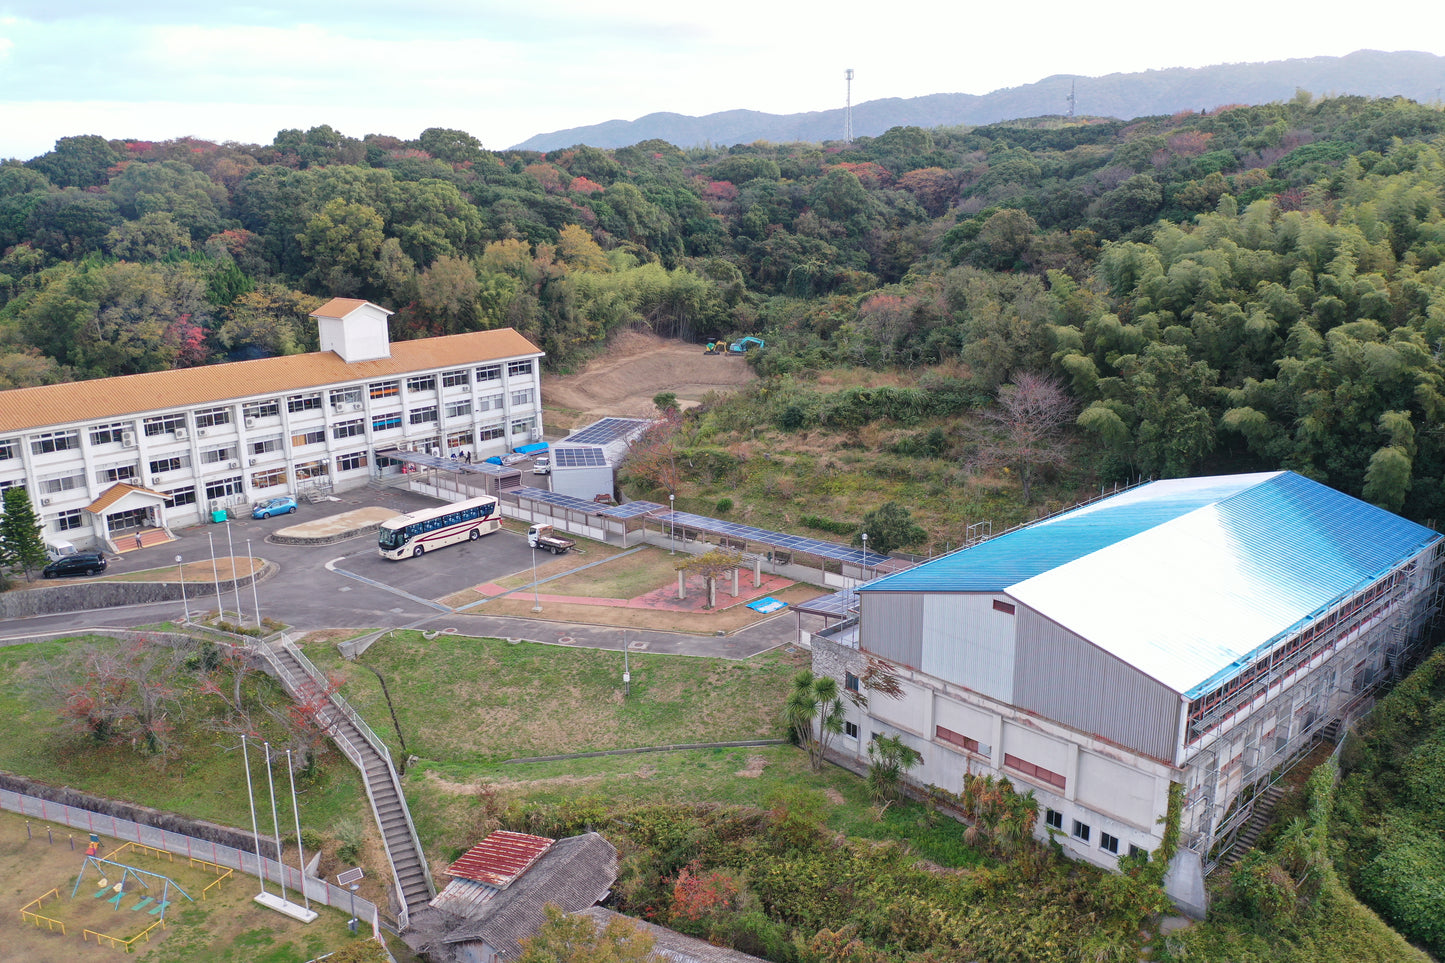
828	525
724	505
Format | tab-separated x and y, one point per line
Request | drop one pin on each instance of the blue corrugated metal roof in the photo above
1186	579
999	563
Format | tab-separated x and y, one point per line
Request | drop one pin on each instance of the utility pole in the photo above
848	110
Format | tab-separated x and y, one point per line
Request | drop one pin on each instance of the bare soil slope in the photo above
636	367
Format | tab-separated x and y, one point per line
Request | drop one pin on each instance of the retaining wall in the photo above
83	596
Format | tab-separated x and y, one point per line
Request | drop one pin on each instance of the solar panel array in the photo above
445	462
792	543
586	456
630	510
558	499
607	430
838	604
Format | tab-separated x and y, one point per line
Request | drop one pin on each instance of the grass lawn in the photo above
226	927
204	780
464	701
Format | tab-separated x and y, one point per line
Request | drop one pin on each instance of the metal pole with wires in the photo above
216	574
255	599
251	798
181	571
235	578
300	851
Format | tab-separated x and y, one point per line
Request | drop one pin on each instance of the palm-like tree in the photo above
814	713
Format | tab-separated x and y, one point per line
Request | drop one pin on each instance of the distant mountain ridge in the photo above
1370	73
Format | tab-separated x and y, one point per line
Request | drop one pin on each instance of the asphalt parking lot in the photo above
441	572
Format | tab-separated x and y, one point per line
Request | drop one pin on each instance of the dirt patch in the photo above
834	796
638	366
754	768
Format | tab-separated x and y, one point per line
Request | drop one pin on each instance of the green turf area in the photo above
464	701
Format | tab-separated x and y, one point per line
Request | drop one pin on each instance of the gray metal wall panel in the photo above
1061	676
891	626
969	643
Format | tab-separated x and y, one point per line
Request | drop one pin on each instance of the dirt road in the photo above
638	366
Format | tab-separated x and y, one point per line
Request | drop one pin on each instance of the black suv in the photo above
81	563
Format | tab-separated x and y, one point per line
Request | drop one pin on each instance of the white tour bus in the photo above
430	528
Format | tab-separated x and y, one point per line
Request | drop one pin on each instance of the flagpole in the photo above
275	823
251	798
300	853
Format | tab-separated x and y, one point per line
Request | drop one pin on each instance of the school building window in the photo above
213	417
311	469
423	415
1034	772
263	445
117	473
516	368
224	487
850	682
67	521
522	398
490	432
261	409
180	496
850	730
489	372
458	409
313	437
1081	831
351	461
164	424
50	441
1054	819
348	429
422	383
385	422
269	478
109	434
456	379
170	463
1109	844
297	403
384	389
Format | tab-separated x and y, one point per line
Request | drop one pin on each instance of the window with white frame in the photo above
351	461
518	368
180	496
422	383
1054	819
348	429
489	372
522	426
164	424
385	422
110	434
422	415
262	409
68	521
311	469
213	417
9	448
489	403
850	729
1109	844
490	432
215	456
346	397
459	409
384	389
262	446
172	462
313	437
456	379
117	473
520	399
1081	831
55	484
269	478
224	487
51	441
299	403
457	439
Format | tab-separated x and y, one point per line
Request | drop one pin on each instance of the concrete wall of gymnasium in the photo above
83	596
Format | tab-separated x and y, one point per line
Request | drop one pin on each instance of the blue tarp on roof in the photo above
1186	579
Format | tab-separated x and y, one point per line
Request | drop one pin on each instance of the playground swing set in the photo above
123	888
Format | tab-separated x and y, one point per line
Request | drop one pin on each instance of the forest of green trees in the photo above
1257	287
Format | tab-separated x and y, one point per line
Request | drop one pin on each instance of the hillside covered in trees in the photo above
1248	288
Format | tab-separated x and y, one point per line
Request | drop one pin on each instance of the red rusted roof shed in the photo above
500	858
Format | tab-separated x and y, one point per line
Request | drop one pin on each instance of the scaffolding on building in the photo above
1336	677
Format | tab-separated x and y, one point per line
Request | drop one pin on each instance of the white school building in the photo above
116	457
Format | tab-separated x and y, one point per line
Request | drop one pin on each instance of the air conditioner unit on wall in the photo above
356	406
127	439
180	434
233	464
200	432
250	422
253	463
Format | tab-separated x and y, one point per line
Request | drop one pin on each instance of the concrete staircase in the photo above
1264	807
304	683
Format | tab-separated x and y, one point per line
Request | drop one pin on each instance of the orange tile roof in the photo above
90	401
341	307
115	493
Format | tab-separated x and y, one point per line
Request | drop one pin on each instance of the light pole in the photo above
180	570
352	924
255	599
216	574
672	526
536	599
865	554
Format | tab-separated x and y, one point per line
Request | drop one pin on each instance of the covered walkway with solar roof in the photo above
451	479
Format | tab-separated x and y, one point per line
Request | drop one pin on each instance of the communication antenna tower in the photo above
848	113
1071	99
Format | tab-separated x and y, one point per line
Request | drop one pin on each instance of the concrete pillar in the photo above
680	578
736	573
1071	772
757	571
996	743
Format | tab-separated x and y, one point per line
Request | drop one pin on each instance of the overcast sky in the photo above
158	69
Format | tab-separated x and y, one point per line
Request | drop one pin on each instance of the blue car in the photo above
283	505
